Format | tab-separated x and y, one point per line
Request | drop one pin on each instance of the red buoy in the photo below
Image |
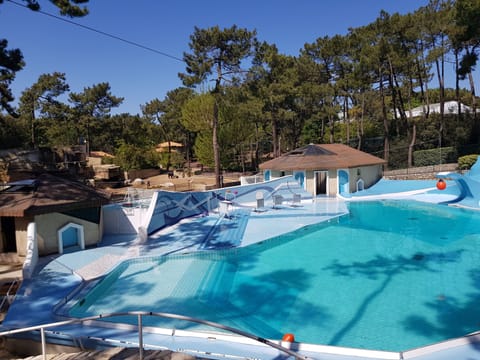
288	337
441	185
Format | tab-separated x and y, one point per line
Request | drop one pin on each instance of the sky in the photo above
88	57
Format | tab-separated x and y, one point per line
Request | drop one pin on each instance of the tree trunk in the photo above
33	129
275	138
457	87
346	118
216	150
472	93
441	83
386	130
332	129
412	144
360	125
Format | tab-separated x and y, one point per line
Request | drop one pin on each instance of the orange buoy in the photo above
288	337
441	185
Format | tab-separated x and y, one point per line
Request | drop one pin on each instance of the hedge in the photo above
435	156
467	161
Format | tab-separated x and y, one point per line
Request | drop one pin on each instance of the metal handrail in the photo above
140	315
8	296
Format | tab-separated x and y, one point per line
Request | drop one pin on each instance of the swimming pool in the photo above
391	275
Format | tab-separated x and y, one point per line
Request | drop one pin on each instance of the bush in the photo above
133	157
171	160
467	161
435	156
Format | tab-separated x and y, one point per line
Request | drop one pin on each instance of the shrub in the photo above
435	156
467	161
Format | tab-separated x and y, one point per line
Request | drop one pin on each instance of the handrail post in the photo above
140	337
44	346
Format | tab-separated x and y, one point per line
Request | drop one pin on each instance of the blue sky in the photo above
138	75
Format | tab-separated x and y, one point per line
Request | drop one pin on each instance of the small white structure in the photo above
450	107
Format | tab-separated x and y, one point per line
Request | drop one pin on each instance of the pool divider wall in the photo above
168	207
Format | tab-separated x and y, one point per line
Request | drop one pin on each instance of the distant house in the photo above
174	146
450	107
327	169
67	214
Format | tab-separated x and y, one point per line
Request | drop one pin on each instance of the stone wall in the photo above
420	173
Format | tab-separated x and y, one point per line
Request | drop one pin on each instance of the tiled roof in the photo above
47	194
322	157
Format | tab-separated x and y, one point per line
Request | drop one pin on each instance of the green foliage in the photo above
134	157
466	162
11	61
203	149
435	156
219	54
216	52
39	107
90	107
197	113
173	159
11	134
165	116
108	160
69	7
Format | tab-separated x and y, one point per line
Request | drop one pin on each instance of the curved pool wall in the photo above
468	185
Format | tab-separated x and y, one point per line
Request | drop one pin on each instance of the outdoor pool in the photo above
391	275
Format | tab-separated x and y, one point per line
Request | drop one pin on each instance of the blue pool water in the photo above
390	275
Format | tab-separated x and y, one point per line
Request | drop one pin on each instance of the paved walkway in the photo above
110	354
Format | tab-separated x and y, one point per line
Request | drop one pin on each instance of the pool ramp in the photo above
468	185
229	230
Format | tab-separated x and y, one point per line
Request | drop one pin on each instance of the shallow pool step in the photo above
215	283
99	267
194	272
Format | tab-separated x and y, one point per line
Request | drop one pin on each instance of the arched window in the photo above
360	184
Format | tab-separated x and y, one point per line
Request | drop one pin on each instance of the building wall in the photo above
49	224
369	174
332	182
309	182
21	225
276	174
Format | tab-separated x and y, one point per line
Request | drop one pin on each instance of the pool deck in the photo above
58	278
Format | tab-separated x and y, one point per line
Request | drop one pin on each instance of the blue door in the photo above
70	237
343	182
266	175
299	176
